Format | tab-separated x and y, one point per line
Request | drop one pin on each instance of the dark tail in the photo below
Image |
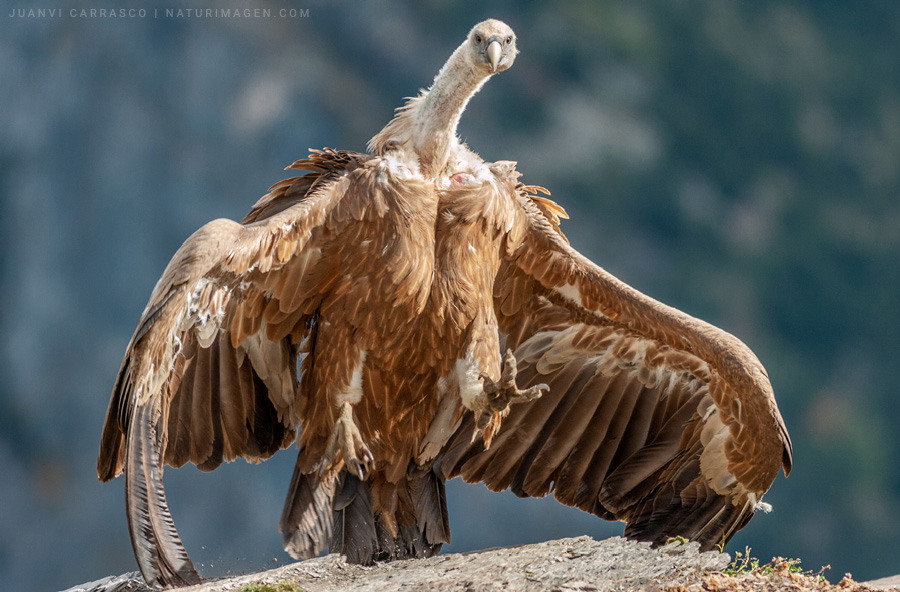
341	515
354	522
160	553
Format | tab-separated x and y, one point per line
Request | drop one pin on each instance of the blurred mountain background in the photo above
738	160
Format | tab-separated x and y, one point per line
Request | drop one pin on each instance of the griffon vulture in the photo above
413	314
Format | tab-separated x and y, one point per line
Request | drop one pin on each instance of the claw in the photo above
532	393
346	439
490	387
503	393
497	397
364	466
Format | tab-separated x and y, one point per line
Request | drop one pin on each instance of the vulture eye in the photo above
478	39
509	40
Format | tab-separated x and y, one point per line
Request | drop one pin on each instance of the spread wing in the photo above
653	417
211	372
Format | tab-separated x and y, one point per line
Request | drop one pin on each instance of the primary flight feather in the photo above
413	314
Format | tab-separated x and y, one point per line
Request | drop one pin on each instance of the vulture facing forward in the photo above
414	314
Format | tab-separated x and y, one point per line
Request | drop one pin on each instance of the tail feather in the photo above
160	553
365	522
409	543
416	527
416	523
429	500
354	522
306	520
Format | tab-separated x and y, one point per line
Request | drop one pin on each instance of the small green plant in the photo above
742	563
279	587
745	563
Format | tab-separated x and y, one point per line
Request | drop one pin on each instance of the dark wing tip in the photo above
158	549
787	455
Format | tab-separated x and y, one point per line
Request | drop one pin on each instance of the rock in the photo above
891	582
566	565
130	582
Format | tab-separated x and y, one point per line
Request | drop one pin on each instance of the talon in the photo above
359	470
365	468
346	439
489	387
531	393
498	396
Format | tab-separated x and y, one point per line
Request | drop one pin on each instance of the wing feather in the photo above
200	414
178	426
157	546
653	417
539	472
212	366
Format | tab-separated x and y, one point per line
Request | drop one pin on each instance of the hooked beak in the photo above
494	51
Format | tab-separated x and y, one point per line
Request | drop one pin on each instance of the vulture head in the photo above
426	125
493	46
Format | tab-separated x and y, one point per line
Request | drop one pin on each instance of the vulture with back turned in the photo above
414	314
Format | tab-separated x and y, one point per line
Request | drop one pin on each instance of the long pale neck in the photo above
427	123
434	122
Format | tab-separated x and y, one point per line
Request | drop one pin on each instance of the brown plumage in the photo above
363	310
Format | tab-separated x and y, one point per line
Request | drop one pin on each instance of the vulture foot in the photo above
346	439
498	396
